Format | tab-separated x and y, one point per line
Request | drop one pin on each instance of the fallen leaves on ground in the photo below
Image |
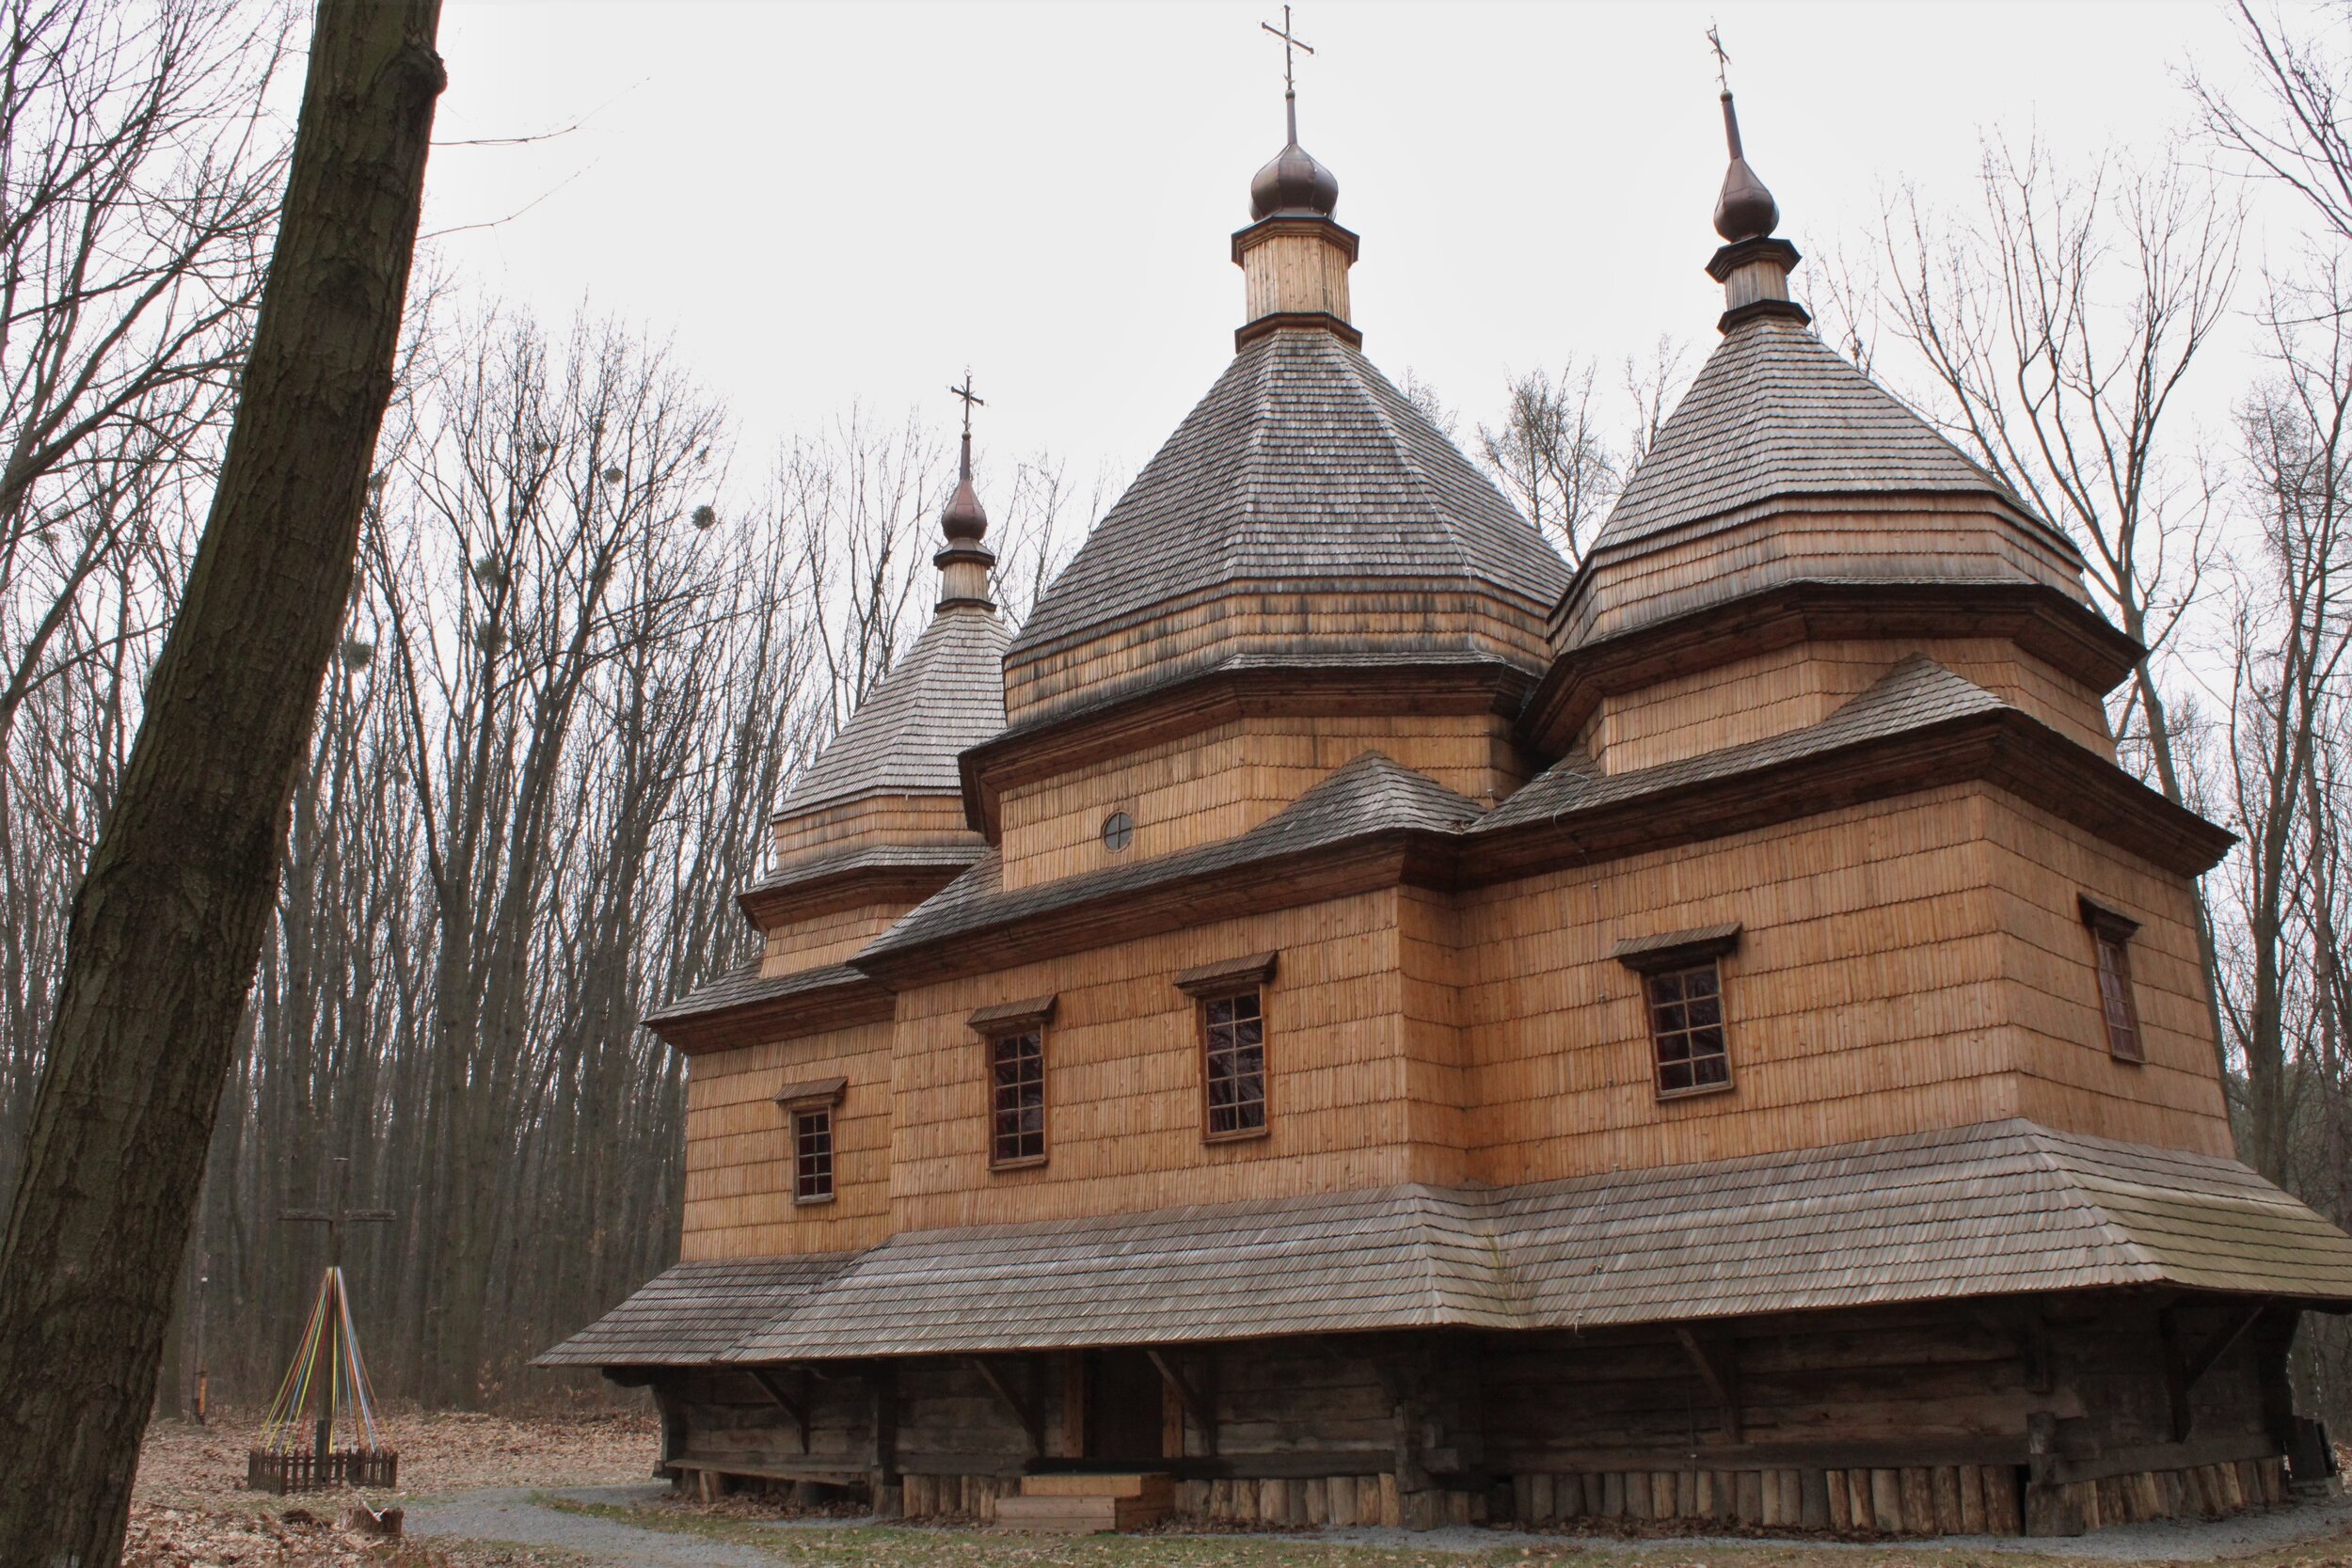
190	1509
439	1451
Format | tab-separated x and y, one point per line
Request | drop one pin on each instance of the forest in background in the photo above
599	626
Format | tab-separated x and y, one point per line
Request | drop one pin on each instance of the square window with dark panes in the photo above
812	1156
1233	1039
1686	1027
1016	1086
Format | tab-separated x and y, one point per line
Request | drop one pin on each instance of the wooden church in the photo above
1338	1018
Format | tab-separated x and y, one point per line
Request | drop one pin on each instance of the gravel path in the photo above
510	1515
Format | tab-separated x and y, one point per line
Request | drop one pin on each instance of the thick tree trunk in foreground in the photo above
169	922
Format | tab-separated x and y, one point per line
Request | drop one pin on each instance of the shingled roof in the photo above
1994	1208
1369	795
944	693
1304	469
1913	694
1776	414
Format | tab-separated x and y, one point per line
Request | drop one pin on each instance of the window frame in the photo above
1678	953
814	1177
2111	933
1211	1050
1228	982
813	1103
996	1026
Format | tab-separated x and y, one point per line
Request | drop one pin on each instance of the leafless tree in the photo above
1552	452
140	180
169	921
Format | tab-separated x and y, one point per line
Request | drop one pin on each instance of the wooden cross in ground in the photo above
332	1214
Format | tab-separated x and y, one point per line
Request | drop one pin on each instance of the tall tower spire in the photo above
1752	266
965	563
1294	258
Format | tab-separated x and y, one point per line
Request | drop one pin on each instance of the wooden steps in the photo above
1083	1505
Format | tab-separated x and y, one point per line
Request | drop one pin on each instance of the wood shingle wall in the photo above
1619	590
738	1147
2039	867
1221	782
1122	1064
1789	688
1435	618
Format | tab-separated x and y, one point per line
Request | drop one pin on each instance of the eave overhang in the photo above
751	1010
1245	687
2000	746
2050	625
869	875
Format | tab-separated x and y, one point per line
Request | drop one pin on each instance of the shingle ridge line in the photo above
1360	369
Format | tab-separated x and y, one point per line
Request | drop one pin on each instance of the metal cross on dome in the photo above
1290	41
971	400
1722	60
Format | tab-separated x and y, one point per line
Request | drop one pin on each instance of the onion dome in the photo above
965	519
1745	210
1293	181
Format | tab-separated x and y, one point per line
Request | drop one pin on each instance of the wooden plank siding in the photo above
1905	965
1878	1421
873	819
739	1153
828	938
1787	689
1221	782
2040	867
1122	1069
1878	989
1174	640
1687	569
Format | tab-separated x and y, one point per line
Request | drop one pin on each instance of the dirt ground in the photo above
190	1509
569	1491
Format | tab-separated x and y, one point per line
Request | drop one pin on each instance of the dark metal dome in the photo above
1745	210
1294	183
965	518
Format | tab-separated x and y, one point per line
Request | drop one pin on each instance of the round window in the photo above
1119	831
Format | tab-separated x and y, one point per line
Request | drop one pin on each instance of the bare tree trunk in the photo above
169	923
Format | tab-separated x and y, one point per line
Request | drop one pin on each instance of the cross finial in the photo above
1722	61
971	400
1290	84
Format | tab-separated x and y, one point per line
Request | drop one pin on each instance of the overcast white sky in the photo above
822	203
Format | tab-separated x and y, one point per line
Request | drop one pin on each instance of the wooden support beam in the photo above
1203	1414
882	1381
1719	1368
1026	1411
2187	1360
795	1404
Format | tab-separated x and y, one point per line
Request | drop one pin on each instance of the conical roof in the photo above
1777	414
946	692
1303	469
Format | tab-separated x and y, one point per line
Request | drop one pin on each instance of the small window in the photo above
812	1156
1016	1079
2111	936
1234	1039
1686	1028
1119	831
1682	991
